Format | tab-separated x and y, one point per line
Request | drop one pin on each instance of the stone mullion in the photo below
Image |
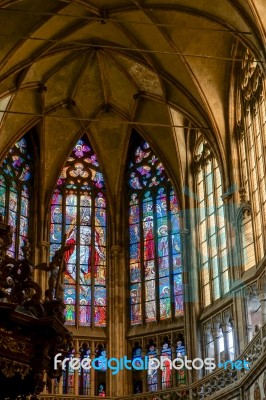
249	133
255	121
76	371
230	241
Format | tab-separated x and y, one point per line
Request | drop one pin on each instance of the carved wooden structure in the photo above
31	329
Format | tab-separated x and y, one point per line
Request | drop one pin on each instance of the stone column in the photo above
40	276
234	270
225	329
117	385
190	298
215	335
92	377
159	371
144	375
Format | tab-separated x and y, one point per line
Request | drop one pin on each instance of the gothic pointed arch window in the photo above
212	247
78	217
156	288
16	177
251	126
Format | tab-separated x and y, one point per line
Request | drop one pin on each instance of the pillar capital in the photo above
116	251
226	197
43	244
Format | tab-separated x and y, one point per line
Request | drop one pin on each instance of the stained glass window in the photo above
180	354
211	226
156	289
78	216
152	374
68	374
15	193
166	354
251	120
84	373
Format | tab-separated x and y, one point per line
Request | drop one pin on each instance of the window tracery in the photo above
251	120
211	225
16	177
78	216
218	334
156	288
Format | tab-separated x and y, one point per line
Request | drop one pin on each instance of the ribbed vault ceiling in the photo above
106	66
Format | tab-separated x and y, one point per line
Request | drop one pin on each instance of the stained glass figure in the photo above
152	374
166	354
156	288
78	209
15	192
137	357
100	355
180	354
68	375
84	373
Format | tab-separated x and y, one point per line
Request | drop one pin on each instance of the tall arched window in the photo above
78	216
251	121
15	193
156	288
211	225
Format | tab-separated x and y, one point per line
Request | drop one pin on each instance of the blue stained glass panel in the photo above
134	253
163	266
152	376
100	306
22	145
24	207
135	273
178	294
176	243
175	222
100	217
13	200
2	196
134	232
163	249
134	214
24	226
161	207
12	219
56	233
177	263
162	226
